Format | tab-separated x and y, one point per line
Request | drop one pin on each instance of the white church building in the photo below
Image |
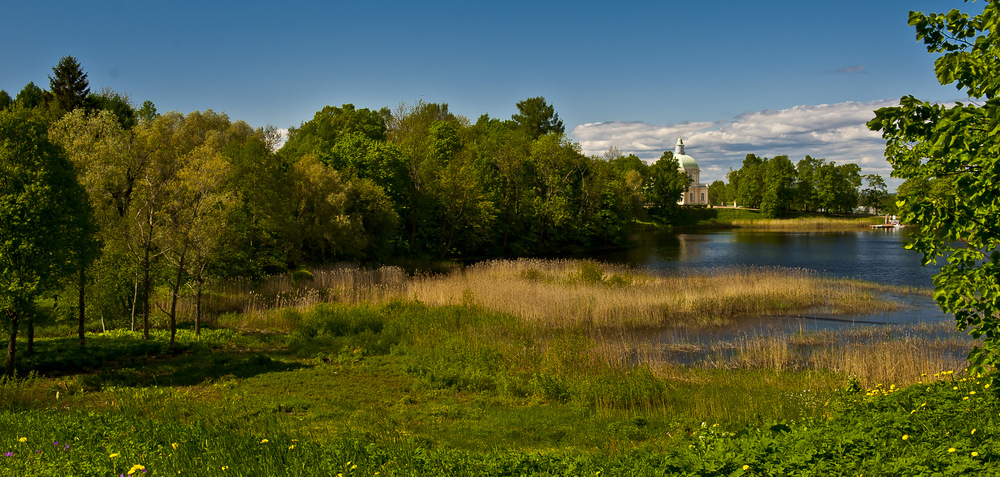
697	192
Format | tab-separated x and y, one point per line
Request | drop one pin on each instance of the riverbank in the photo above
730	217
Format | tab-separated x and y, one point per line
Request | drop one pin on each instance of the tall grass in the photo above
899	354
276	302
567	294
550	293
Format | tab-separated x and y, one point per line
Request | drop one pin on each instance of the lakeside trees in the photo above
939	148
775	186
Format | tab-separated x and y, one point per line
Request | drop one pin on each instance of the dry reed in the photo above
876	355
566	294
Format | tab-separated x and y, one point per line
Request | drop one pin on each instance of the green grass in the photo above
945	434
408	389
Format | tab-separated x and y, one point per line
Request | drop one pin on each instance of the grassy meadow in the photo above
524	367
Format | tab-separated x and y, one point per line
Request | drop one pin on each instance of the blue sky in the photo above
732	77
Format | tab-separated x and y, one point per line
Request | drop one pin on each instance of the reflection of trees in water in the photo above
668	248
874	256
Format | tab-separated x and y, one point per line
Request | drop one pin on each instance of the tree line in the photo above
104	204
777	186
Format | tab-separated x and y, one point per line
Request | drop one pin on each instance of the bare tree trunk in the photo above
145	294
175	293
31	334
135	298
197	314
11	343
80	304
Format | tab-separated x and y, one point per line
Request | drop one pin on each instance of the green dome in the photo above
687	162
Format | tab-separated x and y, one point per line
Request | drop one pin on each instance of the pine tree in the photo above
69	85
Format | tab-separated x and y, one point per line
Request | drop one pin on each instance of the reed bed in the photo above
568	294
548	293
902	354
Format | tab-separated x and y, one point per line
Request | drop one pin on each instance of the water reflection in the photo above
791	342
871	255
868	255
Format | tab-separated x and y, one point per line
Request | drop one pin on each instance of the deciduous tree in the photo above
31	96
44	218
779	183
666	184
874	195
960	145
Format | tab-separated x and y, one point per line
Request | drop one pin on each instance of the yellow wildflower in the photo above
23	439
906	436
112	456
291	447
746	466
135	468
952	449
973	431
263	441
174	445
975	454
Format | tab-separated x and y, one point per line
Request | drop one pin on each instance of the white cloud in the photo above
282	138
835	132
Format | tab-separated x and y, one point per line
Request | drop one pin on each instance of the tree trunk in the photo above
31	334
11	343
145	292
135	298
197	307
80	304
175	293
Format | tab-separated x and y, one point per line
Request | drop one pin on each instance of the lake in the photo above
872	255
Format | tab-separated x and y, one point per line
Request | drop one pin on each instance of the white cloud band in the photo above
835	132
